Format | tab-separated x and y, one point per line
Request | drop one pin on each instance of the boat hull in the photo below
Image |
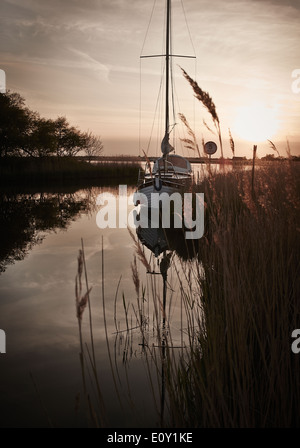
157	186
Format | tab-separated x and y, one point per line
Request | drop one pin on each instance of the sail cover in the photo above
166	147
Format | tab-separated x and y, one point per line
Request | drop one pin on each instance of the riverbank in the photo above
64	170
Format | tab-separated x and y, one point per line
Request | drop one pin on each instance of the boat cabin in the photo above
173	163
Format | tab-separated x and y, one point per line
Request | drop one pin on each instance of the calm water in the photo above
40	374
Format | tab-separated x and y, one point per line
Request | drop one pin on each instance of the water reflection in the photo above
26	218
160	240
37	311
170	253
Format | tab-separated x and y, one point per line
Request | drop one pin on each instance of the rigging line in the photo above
194	98
179	127
172	83
159	96
187	25
143	45
163	69
192	43
140	105
150	20
182	132
140	111
155	113
171	65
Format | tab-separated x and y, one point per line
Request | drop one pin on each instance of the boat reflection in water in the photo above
166	245
160	240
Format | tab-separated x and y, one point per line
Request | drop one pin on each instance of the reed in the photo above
239	296
231	142
208	103
95	409
191	142
241	371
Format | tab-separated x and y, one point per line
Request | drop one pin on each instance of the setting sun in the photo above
256	122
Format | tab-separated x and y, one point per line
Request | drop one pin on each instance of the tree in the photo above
92	145
24	132
55	137
15	123
68	138
268	157
41	141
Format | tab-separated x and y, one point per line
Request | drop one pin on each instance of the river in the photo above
40	373
41	381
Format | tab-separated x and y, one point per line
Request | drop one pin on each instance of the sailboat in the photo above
170	172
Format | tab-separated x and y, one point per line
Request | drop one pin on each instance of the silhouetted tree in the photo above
268	157
15	123
24	133
92	145
41	142
68	138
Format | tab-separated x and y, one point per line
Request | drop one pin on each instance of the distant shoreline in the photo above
193	160
83	171
63	171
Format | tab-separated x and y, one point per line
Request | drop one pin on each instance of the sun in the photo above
256	122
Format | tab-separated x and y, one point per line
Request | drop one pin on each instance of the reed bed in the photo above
240	371
232	365
239	296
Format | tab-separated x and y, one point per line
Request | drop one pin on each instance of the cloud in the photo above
88	51
87	62
294	4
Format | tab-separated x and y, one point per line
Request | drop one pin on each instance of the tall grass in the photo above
241	371
208	103
239	294
240	303
240	300
94	404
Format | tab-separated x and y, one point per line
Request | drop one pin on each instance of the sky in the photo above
81	59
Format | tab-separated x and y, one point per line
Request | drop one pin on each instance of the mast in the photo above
167	65
165	146
166	138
